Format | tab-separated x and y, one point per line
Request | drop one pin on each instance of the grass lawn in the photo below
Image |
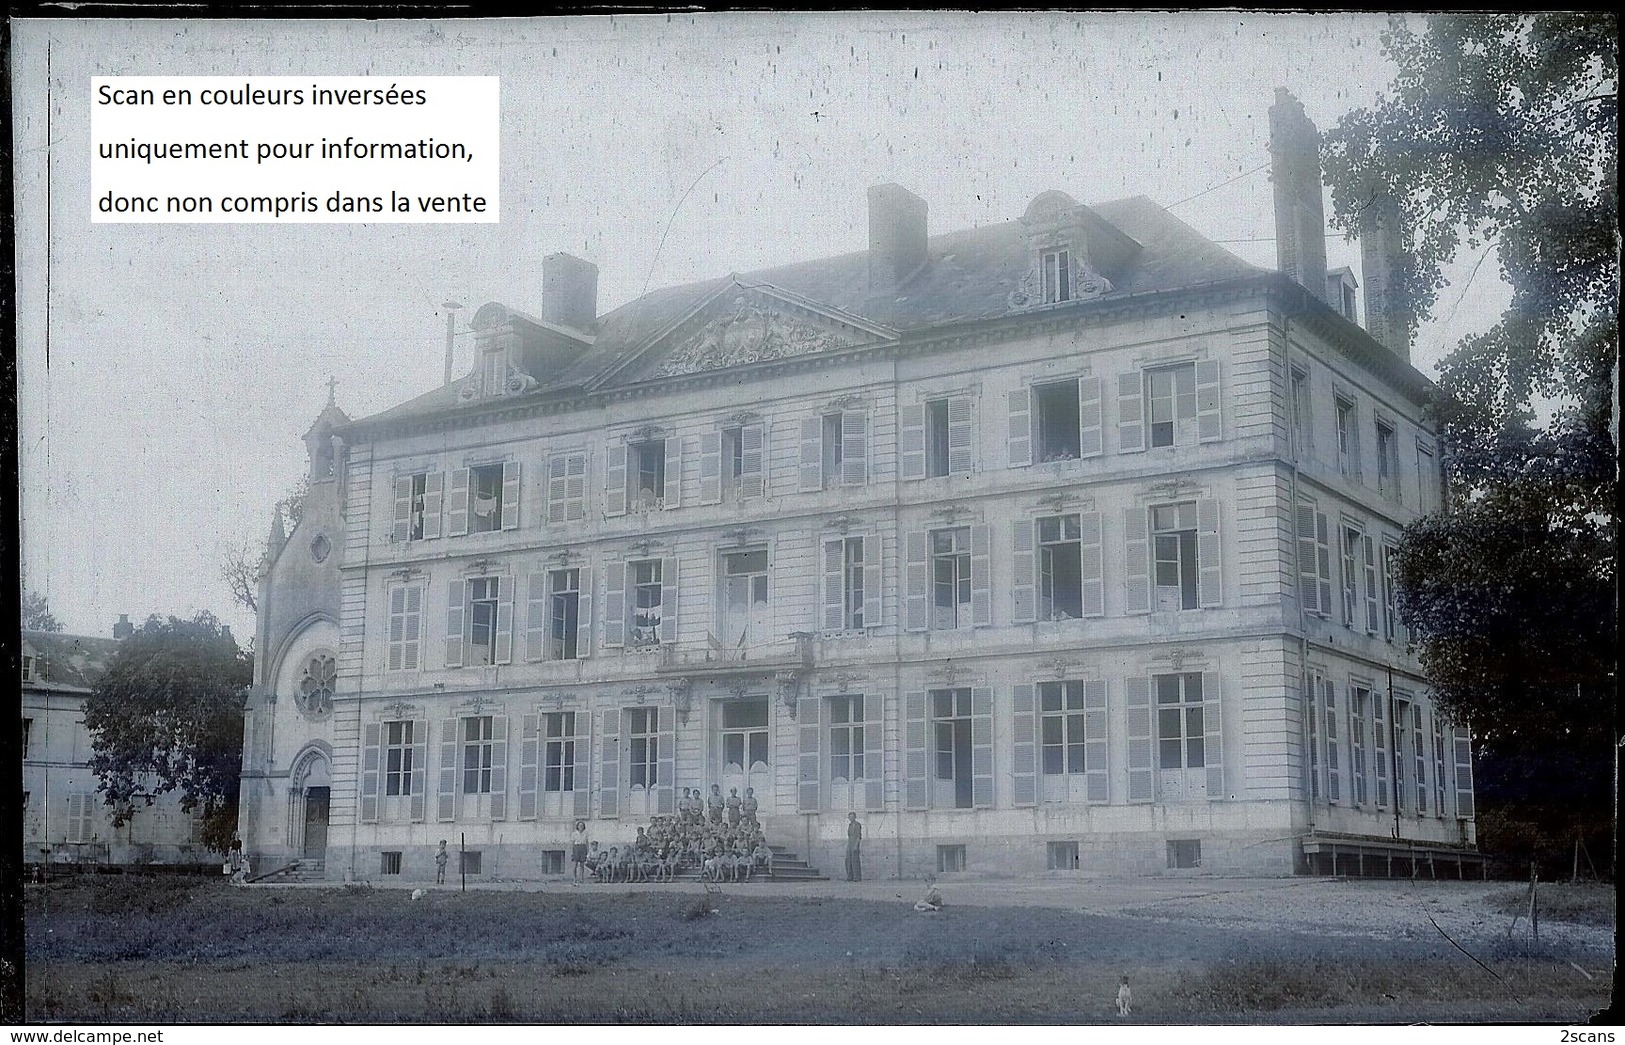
126	948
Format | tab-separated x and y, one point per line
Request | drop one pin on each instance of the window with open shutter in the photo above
673	495
510	495
752	460
615	604
434	496
1213	740
609	766
530	748
457	503
981	573
499	767
1373	597
419	780
446	808
1308	577
854	448
916	794
1137	717
1130	412
615	467
1091	551
1207	401
711	467
668	599
1382	736
834	584
916	582
872	581
1331	732
584	613
812	455
809	730
1024	746
455	592
981	752
1137	560
401	528
666	764
911	441
1323	563
1020	438
1091	442
1023	574
1096	754
1209	583
961	436
371	755
536	616
504	637
1463	744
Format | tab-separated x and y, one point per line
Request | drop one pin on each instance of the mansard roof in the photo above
969	275
67	662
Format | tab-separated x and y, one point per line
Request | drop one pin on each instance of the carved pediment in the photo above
749	327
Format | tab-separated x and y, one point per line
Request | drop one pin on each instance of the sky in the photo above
162	403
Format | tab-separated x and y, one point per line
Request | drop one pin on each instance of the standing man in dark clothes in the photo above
854	855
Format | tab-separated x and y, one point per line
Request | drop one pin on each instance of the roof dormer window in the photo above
1055	267
494	373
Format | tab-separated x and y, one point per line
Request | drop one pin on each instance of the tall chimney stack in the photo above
1383	258
897	236
569	292
1300	213
123	629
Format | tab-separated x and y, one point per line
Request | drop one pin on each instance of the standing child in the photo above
1125	998
440	859
578	853
749	805
733	805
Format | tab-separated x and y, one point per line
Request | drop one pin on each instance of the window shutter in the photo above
1023	571
874	752
672	497
615	479
752	461
911	441
1208	426
401	532
434	497
370	748
873	579
584	614
455	591
808	753
609	771
1137	560
710	467
981	576
1024	746
412	639
961	436
457	504
510	495
1091	442
536	617
1096	755
917	583
1137	702
854	448
1464	773
1308	589
397	629
1092	555
581	767
834	584
1379	719
1213	734
447	807
1373	598
615	604
504	650
981	747
668	599
666	763
575	489
1326	693
420	769
530	744
1021	427
916	763
499	767
1130	413
558	488
812	454
1210	586
1323	564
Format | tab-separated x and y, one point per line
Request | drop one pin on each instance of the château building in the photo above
1061	543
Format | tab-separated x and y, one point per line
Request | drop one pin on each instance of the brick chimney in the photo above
123	629
1300	213
569	292
897	236
1382	261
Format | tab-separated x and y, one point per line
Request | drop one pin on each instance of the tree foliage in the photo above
168	716
240	565
37	613
1500	135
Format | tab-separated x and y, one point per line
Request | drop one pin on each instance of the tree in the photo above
240	565
168	716
37	613
1501	135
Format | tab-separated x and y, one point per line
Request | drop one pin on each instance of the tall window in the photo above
1311	720
951	724
1348	448
1402	756
1180	738
482	620
28	735
1387	461
479	751
405	627
1427	479
1060	568
28	669
646	594
950	578
567	488
485	498
1298	384
834	445
1351	576
559	751
846	737
1390	614
1060	705
646	474
1170	394
1358	723
415	513
852	584
936	438
643	746
1059	432
1334	758
1419	747
1056	266
494	373
399	738
563	613
1173	535
1440	772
